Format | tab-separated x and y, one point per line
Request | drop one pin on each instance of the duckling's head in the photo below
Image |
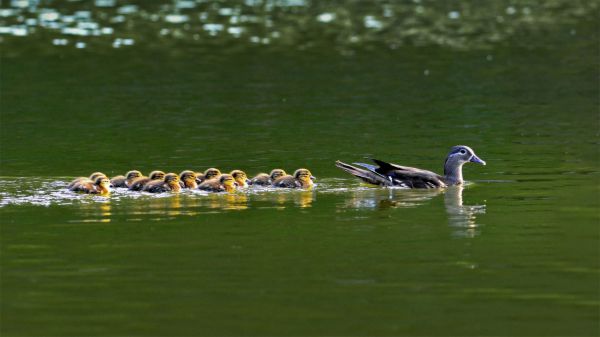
189	178
172	179
131	175
95	175
240	178
103	184
211	173
304	176
157	175
276	173
228	182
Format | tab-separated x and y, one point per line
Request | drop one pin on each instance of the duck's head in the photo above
459	155
132	175
227	181
211	173
172	180
240	178
276	173
103	184
157	175
304	176
188	178
96	175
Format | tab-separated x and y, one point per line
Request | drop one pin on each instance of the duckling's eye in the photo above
463	151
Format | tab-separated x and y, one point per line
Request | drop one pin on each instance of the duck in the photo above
92	177
208	174
170	183
302	178
187	179
126	180
224	183
264	179
388	174
240	177
99	186
139	183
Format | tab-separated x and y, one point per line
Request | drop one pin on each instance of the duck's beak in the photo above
477	160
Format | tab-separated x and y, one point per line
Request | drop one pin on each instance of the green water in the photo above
514	252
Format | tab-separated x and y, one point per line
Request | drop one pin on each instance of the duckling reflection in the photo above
96	211
304	199
230	201
461	217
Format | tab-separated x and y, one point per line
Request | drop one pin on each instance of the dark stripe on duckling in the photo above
240	177
224	183
208	174
263	179
170	183
302	178
388	174
139	183
187	179
100	186
126	180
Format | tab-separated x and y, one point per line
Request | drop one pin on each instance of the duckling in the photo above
240	177
388	174
302	178
208	174
263	179
92	177
139	183
99	186
187	179
170	183
224	183
125	181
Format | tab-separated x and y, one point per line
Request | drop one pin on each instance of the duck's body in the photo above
99	186
126	180
139	183
264	179
302	178
207	175
187	179
240	177
388	174
170	183
223	183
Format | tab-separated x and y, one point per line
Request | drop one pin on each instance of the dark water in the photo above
514	252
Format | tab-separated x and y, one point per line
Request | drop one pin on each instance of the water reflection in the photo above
461	217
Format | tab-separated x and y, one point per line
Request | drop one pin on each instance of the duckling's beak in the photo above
248	181
477	160
313	178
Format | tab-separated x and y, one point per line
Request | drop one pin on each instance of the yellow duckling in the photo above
125	181
263	179
207	175
302	178
99	186
187	179
139	183
92	177
170	183
224	183
240	177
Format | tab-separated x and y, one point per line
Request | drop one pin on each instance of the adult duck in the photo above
388	174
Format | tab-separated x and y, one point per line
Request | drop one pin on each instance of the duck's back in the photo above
138	184
261	179
211	185
286	182
156	186
411	177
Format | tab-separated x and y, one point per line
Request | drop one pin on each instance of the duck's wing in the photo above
407	176
368	175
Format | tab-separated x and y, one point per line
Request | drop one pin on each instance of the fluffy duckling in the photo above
139	183
263	179
125	181
92	177
187	179
207	175
302	178
170	183
240	177
224	183
99	186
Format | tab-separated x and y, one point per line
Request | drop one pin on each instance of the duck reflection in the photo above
97	211
461	217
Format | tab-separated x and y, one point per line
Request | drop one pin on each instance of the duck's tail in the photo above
367	176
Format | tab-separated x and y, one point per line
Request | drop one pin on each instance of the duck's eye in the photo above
463	151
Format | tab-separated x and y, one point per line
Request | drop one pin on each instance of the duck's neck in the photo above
453	172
